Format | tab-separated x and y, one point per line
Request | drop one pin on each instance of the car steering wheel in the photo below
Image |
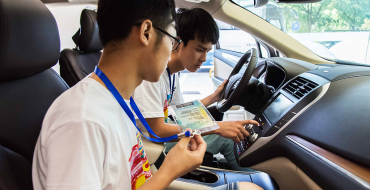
235	85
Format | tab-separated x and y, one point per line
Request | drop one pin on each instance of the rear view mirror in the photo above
260	3
296	1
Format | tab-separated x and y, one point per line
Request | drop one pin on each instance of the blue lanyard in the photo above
129	113
173	85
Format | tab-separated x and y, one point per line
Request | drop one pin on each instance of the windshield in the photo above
333	29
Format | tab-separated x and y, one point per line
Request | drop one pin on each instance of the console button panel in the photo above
280	116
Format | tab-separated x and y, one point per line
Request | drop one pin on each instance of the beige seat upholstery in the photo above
152	150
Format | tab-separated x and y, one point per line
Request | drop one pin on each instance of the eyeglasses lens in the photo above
175	45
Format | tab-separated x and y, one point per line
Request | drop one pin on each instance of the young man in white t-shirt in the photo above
198	32
87	140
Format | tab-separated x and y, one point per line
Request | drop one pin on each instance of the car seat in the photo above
29	47
76	64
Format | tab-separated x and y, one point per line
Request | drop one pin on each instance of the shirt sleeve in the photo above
150	98
75	157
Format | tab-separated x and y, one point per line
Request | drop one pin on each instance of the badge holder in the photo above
134	107
193	115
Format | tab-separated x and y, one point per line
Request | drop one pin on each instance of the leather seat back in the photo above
76	64
29	47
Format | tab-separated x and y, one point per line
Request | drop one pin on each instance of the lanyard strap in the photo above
128	111
173	84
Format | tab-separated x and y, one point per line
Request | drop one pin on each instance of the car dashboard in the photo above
317	118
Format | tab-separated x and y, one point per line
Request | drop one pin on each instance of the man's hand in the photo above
217	93
234	129
215	96
183	158
180	160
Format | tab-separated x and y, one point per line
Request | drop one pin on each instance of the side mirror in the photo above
260	3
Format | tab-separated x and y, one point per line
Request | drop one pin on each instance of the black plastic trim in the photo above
337	123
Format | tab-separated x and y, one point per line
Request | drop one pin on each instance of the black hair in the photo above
196	23
116	18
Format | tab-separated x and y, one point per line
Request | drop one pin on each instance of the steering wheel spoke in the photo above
238	81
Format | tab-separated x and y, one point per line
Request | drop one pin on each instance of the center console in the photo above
214	177
285	105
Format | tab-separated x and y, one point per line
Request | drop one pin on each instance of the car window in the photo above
234	39
334	29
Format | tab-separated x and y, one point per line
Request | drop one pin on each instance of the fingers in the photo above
199	139
240	136
236	139
183	142
245	122
202	145
244	132
223	83
193	145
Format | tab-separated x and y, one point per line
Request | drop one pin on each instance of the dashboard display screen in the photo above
277	108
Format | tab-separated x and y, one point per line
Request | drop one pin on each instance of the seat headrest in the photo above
29	39
87	37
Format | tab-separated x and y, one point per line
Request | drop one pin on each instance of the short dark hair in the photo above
116	18
196	23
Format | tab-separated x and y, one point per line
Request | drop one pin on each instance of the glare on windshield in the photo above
334	29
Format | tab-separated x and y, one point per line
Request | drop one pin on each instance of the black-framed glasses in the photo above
175	41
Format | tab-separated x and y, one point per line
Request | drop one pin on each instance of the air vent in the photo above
299	87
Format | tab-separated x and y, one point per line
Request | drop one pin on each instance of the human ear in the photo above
146	30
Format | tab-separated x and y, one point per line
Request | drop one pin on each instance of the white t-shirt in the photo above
152	98
88	142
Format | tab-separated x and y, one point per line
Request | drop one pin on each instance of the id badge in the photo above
193	115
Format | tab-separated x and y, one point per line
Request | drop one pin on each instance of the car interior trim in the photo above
269	62
230	57
225	170
223	70
264	140
203	170
352	170
230	60
286	174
